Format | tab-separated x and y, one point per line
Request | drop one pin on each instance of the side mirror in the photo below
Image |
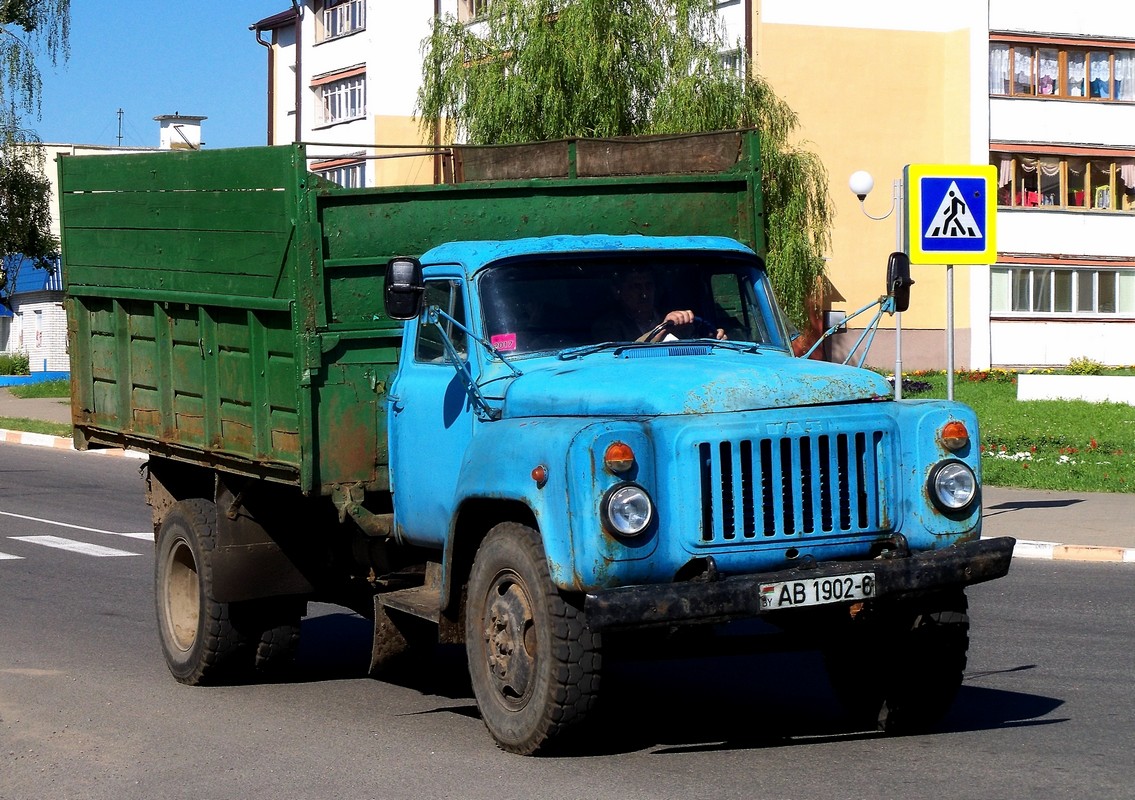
898	280
404	288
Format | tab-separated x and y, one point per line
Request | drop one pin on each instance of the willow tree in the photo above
532	70
30	30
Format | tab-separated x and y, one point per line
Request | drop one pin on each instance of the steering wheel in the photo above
702	329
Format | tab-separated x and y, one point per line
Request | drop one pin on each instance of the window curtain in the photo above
1048	166
999	69
1076	71
1004	170
1127	173
1125	75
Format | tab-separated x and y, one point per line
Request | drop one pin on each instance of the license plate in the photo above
817	591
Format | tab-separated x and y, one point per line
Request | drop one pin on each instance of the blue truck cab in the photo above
673	468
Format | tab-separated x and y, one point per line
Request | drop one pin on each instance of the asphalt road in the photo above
88	709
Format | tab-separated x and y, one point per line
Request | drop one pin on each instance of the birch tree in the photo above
30	31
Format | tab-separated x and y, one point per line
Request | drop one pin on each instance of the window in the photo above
1024	69
1100	181
733	61
342	96
1079	291
346	173
469	10
446	295
342	17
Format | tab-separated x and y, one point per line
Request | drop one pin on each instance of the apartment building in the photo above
1062	136
1042	90
343	75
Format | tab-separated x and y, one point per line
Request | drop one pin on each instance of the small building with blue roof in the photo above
32	319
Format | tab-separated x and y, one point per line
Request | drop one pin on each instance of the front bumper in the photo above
739	597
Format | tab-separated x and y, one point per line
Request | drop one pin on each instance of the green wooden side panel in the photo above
415	219
180	170
216	381
181	275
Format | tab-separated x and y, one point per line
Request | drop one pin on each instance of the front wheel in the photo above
533	661
900	667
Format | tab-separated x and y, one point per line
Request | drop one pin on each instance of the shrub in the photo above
1084	366
15	364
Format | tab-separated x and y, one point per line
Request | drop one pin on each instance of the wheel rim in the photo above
510	640
182	596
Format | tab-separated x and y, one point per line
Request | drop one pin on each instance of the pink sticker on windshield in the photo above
504	341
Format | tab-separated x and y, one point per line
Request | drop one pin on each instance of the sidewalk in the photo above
1078	526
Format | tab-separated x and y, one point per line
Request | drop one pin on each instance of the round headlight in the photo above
953	486
627	510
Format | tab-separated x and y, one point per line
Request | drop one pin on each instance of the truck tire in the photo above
275	628
899	669
533	661
200	641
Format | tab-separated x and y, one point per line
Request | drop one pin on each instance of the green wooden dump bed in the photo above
225	307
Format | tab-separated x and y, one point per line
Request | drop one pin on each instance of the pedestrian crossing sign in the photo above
951	213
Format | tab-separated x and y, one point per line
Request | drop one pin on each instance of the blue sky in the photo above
150	58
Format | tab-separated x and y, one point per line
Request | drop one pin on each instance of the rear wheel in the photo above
533	661
899	668
200	641
206	641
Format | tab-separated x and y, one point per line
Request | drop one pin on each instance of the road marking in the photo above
98	551
7	557
145	535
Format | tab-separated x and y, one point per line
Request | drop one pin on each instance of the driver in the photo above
637	318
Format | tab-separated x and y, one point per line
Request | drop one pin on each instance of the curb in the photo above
63	443
1055	551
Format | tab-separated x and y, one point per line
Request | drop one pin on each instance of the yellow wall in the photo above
404	170
876	100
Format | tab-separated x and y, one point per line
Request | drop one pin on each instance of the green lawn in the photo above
1045	444
59	388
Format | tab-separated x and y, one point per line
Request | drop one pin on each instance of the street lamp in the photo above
861	183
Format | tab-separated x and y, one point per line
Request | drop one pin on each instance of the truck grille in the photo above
788	486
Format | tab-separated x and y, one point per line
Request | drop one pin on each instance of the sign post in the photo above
951	216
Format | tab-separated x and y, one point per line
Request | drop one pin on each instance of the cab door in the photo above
431	419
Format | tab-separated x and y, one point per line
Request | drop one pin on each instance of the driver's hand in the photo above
720	334
676	318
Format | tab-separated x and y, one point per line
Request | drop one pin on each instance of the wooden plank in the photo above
673	154
209	253
658	155
686	205
512	162
189	212
238	168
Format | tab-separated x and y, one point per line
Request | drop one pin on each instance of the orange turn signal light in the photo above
540	475
618	457
954	435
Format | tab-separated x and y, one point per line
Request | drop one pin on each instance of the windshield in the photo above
552	303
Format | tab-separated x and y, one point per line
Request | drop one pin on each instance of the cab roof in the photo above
474	255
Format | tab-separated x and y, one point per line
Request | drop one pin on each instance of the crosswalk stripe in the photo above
142	535
72	546
8	557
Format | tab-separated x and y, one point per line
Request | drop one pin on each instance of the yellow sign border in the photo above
913	175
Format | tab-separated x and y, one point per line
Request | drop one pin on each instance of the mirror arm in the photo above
885	303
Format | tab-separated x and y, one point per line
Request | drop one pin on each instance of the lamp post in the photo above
861	183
